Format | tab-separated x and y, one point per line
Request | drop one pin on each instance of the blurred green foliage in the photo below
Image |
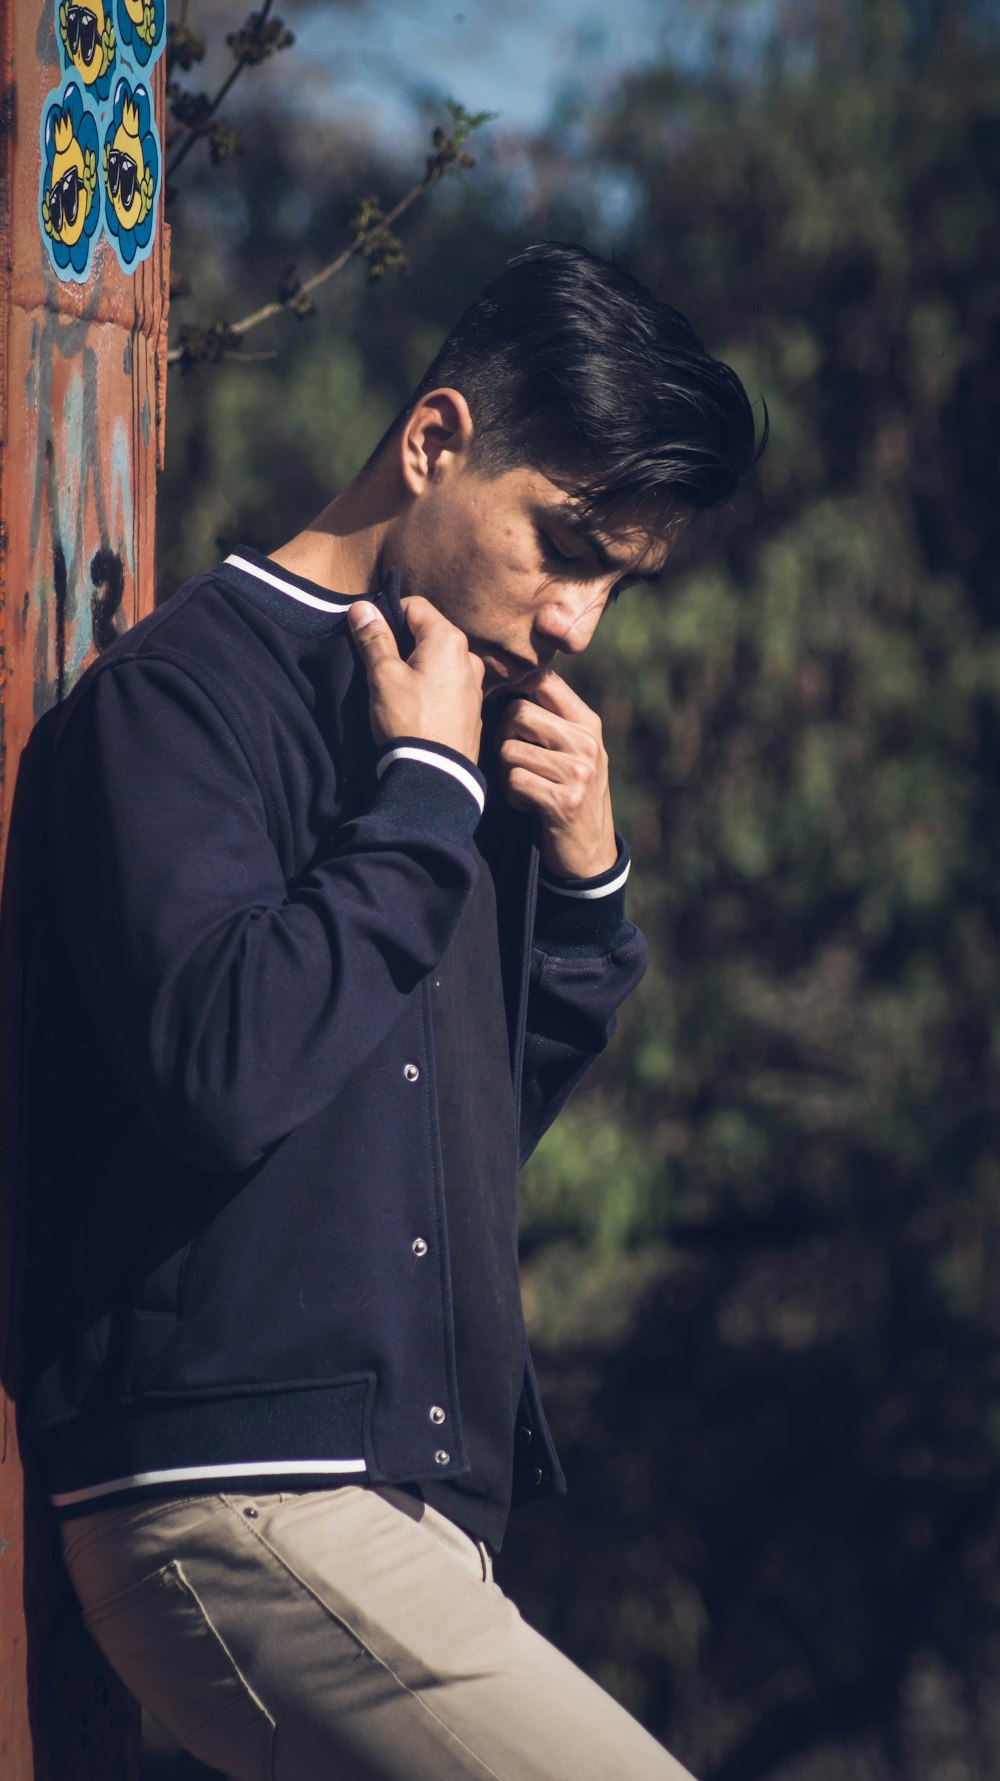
760	1246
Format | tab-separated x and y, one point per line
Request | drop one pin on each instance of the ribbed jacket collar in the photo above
303	606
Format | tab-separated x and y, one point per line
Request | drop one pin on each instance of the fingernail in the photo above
367	614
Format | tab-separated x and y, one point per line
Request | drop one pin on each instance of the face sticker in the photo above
142	29
69	198
131	169
89	49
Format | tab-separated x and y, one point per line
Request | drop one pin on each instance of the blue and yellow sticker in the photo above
89	44
142	29
101	159
69	197
130	171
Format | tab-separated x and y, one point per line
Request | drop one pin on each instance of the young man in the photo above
337	925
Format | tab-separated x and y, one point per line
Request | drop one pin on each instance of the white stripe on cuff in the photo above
265	1468
427	755
601	890
284	587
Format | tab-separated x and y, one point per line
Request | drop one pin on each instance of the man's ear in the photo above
436	438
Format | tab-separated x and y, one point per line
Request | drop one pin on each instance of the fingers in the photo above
436	693
533	795
553	763
559	801
578	829
433	632
544	762
533	724
420	614
425	621
528	724
553	693
371	633
557	767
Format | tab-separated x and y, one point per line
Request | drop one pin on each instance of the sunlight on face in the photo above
514	564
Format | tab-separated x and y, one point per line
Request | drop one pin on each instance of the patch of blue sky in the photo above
410	54
383	69
388	64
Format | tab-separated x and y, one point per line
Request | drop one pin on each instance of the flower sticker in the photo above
69	201
131	169
142	28
87	35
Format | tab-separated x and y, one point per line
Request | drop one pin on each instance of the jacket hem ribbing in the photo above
305	1424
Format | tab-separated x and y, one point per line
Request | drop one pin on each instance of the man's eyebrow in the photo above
584	528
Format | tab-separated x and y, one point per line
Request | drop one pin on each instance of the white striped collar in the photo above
288	587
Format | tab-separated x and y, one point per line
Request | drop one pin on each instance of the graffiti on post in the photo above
88	479
87	417
87	36
131	168
104	113
69	199
142	28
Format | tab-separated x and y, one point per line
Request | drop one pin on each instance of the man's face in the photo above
512	563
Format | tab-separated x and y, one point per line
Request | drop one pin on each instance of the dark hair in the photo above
569	364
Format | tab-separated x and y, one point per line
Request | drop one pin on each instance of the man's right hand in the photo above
437	694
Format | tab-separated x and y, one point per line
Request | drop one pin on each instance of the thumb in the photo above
372	634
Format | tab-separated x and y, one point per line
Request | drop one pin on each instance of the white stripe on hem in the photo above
265	1468
430	759
284	587
603	890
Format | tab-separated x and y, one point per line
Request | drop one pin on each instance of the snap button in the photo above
436	1413
441	1458
251	1514
536	1475
524	1436
411	1072
418	1246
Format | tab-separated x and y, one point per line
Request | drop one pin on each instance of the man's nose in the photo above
569	621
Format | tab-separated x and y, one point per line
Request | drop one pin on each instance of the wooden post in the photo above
83	305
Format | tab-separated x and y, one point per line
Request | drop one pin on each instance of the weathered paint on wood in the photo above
82	383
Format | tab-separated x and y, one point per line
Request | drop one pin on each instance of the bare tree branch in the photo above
374	238
255	49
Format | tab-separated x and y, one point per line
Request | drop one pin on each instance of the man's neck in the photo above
341	549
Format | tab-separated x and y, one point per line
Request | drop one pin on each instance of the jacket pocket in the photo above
159	1637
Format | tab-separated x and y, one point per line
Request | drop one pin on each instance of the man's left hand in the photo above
553	762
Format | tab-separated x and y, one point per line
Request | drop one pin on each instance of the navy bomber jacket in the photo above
240	1250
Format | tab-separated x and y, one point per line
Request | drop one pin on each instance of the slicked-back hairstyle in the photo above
570	365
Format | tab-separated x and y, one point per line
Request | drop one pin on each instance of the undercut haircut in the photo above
573	367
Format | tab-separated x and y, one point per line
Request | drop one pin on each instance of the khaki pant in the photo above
352	1634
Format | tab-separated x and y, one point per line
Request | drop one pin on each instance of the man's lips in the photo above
516	668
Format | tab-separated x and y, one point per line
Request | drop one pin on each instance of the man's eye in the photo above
551	551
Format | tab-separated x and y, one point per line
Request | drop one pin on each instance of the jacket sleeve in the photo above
585	959
235	1005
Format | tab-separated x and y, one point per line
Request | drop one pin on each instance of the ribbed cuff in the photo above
592	890
583	915
430	785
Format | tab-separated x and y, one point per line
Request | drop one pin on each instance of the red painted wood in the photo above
82	378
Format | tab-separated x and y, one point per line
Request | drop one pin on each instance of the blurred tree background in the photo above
759	1248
